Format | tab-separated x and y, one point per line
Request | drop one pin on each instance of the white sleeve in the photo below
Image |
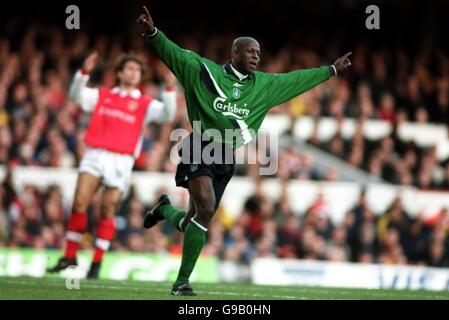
162	111
84	96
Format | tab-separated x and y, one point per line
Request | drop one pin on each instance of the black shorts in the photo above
220	171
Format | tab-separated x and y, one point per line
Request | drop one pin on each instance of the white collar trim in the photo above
134	93
238	74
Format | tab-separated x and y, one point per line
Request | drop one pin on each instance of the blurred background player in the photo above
114	140
252	93
351	118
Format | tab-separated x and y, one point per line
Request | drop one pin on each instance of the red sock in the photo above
76	227
105	233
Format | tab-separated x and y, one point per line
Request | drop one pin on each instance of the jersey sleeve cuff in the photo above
151	36
84	72
332	70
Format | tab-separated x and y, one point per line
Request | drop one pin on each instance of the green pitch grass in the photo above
55	288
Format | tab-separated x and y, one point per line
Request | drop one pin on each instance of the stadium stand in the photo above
388	117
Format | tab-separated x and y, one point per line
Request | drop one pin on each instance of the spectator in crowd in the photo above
40	127
264	228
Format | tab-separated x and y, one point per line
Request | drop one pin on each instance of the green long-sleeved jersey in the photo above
223	103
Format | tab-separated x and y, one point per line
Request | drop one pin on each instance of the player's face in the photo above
131	74
249	57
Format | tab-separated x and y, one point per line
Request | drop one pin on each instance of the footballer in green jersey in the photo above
226	105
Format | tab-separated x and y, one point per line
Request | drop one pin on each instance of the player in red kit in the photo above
114	138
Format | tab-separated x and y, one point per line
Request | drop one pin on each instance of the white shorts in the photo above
114	168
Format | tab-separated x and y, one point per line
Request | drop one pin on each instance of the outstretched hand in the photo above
170	79
145	21
343	62
90	62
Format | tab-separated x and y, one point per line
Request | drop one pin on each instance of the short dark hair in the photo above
125	58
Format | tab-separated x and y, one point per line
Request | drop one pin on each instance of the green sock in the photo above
194	239
172	214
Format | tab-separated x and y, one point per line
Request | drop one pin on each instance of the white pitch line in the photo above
345	291
57	282
94	286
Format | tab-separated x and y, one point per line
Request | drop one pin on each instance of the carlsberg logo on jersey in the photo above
233	110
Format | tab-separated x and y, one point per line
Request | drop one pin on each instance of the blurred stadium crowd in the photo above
36	218
40	126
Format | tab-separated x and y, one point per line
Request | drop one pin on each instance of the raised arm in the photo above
180	61
284	86
82	95
164	111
